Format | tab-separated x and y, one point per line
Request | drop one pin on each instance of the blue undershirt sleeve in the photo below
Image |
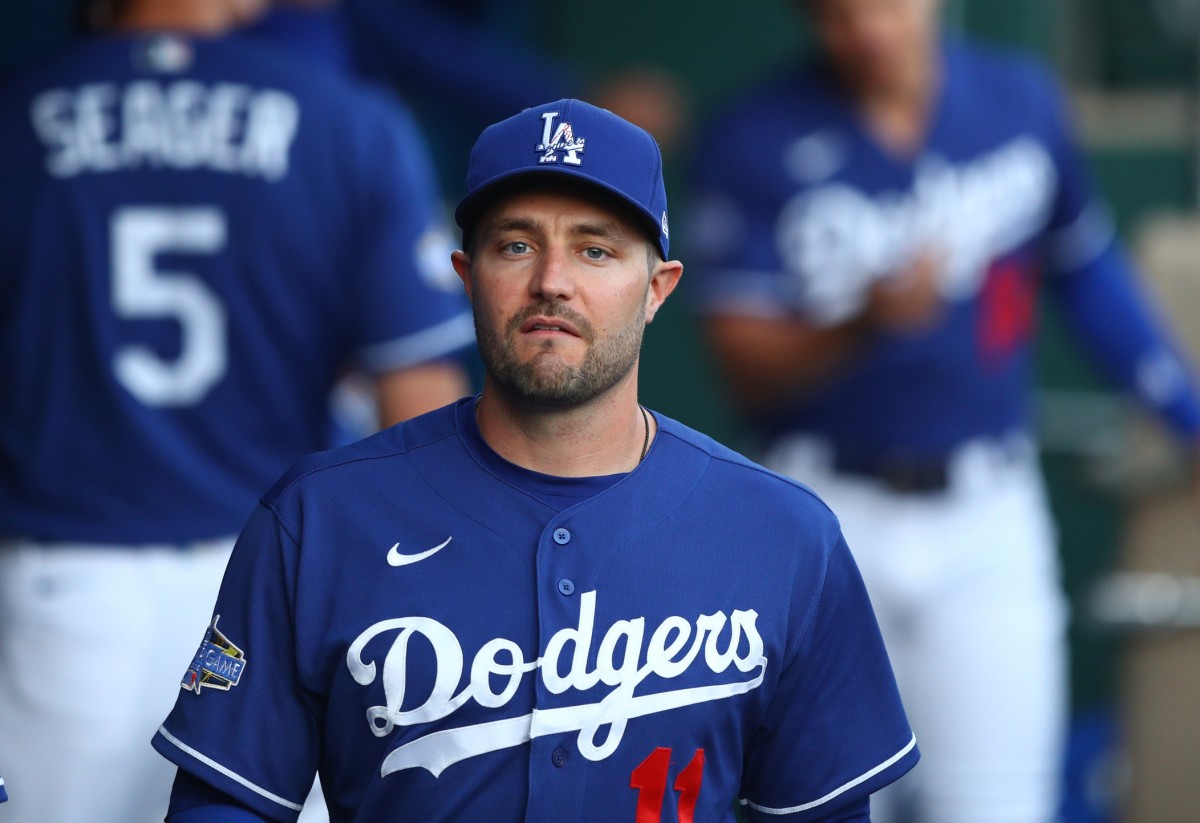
1120	327
1097	285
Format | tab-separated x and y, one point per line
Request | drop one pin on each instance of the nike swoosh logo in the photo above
395	558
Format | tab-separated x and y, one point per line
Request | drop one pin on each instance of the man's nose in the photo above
553	279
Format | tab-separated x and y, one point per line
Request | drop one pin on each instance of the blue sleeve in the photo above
1118	325
1098	288
244	722
3	792
835	731
419	44
194	801
410	303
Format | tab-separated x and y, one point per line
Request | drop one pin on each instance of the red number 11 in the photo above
650	779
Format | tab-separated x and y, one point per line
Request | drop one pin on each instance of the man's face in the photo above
874	43
562	290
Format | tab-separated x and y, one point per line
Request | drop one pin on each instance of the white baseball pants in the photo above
965	584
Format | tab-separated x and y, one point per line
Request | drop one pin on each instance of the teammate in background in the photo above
544	602
196	239
436	51
874	231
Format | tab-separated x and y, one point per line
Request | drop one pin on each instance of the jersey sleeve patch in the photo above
218	663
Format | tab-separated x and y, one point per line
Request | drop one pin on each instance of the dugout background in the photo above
1134	81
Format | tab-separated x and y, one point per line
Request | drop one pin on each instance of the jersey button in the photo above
562	537
566	586
559	758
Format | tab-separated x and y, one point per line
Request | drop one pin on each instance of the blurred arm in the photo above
406	393
1119	326
767	360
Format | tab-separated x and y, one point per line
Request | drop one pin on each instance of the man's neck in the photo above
202	17
900	113
604	436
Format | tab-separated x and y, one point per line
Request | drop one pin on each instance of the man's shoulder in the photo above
803	84
339	472
998	73
795	100
740	479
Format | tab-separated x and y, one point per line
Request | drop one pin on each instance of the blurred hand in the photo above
647	97
908	301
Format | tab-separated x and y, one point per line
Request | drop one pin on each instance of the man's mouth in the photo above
548	325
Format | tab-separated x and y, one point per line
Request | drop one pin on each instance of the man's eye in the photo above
516	247
595	253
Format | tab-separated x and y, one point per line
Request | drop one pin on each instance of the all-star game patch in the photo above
218	663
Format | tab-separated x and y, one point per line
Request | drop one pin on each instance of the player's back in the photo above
194	238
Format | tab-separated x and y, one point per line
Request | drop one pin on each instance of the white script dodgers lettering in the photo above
837	240
671	649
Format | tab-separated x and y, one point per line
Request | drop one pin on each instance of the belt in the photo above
901	473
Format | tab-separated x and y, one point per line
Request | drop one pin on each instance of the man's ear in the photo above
462	267
663	281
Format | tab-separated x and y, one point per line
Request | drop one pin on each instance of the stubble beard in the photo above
545	380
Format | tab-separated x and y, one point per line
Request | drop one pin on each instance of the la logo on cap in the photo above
559	139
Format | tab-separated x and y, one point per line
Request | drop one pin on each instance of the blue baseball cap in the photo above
571	140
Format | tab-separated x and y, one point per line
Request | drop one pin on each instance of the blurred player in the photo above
195	240
875	229
479	55
543	603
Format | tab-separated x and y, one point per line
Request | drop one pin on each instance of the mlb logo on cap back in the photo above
574	140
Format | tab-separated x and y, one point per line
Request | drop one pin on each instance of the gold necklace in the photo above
646	439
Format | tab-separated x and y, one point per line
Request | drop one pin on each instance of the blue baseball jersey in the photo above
440	632
802	211
196	238
3	791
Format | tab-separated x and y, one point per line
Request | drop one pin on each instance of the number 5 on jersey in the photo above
142	292
650	779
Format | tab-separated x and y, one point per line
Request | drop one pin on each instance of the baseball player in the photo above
875	229
195	240
545	602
